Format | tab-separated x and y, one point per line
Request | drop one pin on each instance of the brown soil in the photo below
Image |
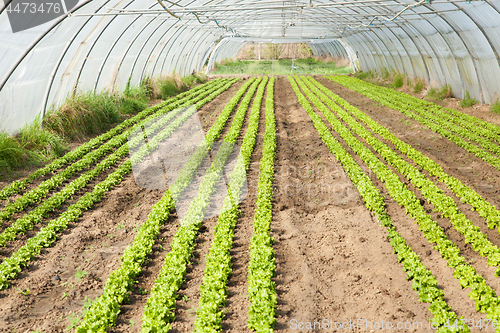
334	263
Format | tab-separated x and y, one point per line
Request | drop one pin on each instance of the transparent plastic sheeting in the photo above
91	48
460	46
41	66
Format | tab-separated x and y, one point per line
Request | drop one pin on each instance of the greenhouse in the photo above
265	166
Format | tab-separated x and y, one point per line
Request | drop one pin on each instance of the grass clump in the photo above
84	114
419	86
398	80
12	154
385	74
495	107
371	74
32	146
169	87
444	92
41	141
134	98
468	101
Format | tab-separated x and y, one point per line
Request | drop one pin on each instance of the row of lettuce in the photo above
155	122
218	260
159	310
434	195
74	155
105	309
484	296
470	133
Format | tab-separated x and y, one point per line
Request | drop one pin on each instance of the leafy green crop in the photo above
218	261
482	294
159	310
446	122
433	194
262	266
465	193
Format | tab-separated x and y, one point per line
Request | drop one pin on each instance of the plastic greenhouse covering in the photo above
97	45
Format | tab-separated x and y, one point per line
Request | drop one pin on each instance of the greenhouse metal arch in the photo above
98	45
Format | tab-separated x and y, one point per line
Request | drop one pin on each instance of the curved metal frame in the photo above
403	44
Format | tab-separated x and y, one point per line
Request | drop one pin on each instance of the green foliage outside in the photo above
281	67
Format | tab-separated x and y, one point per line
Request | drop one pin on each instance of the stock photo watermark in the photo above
360	324
27	14
314	181
170	151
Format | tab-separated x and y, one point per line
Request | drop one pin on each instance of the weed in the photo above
42	141
132	105
131	323
431	92
74	319
419	86
80	274
468	101
25	292
495	107
68	284
398	80
444	92
119	227
32	146
384	73
365	75
12	154
142	291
